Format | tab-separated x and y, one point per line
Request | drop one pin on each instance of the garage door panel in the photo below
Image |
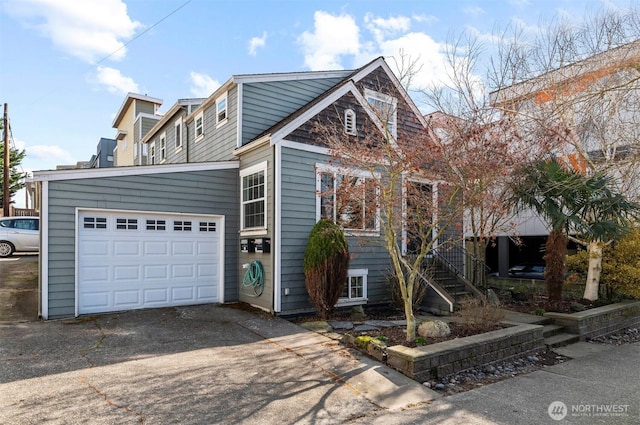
171	261
96	273
155	248
126	248
182	271
126	299
126	273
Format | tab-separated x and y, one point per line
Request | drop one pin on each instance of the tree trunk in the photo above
556	250
411	320
594	249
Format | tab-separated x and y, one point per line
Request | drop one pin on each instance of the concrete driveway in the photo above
193	365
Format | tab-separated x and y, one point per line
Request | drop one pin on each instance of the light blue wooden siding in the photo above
267	103
218	142
266	299
298	208
203	192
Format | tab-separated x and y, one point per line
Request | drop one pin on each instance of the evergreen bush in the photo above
326	263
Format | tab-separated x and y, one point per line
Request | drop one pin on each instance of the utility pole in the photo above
6	182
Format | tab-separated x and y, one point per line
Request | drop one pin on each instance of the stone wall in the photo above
599	321
444	358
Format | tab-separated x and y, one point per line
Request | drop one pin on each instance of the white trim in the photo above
44	251
152	154
253	145
350	122
277	233
303	147
256	168
386	99
178	123
219	99
239	105
290	76
89	173
364	273
352	172
314	110
221	242
197	137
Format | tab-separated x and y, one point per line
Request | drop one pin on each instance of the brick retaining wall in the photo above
445	358
599	321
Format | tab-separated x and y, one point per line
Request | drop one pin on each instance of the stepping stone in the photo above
380	323
365	328
340	324
319	326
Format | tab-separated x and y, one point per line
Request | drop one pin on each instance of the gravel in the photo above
625	336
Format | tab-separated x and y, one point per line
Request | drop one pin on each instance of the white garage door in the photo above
136	260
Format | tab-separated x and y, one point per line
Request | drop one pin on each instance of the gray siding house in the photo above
242	187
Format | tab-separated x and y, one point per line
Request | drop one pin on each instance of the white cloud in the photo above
202	85
51	153
89	30
114	81
333	37
383	28
474	11
257	42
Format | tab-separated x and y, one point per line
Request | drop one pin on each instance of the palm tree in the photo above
574	205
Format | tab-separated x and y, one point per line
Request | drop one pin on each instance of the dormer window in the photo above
385	107
350	122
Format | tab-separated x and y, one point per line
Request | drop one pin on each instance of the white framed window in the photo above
350	122
253	195
95	223
152	153
221	110
177	132
163	147
156	225
181	226
385	108
355	288
412	211
349	198
126	224
199	126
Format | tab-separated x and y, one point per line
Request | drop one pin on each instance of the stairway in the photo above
452	283
554	335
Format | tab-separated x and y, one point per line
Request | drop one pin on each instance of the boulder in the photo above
434	329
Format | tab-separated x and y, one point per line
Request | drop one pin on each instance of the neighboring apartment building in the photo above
137	114
232	180
104	154
594	104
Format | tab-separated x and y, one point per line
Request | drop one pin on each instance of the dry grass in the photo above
479	316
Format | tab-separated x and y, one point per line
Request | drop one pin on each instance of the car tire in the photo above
6	249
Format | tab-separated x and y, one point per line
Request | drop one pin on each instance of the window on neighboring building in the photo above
254	201
349	199
199	125
163	147
350	122
178	134
355	288
221	109
152	153
385	107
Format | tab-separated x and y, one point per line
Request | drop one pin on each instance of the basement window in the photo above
355	288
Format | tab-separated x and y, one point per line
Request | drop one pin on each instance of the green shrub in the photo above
326	263
620	267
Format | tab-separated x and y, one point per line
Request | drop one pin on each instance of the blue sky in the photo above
67	64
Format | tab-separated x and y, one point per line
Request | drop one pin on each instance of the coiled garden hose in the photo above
253	280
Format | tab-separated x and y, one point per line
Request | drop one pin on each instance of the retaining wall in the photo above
444	358
599	321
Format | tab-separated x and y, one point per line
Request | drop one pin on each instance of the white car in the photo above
20	234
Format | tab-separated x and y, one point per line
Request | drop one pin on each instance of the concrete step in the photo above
561	339
551	330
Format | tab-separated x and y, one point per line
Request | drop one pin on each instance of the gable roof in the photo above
127	102
293	121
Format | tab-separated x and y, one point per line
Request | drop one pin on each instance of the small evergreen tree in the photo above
16	178
326	262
